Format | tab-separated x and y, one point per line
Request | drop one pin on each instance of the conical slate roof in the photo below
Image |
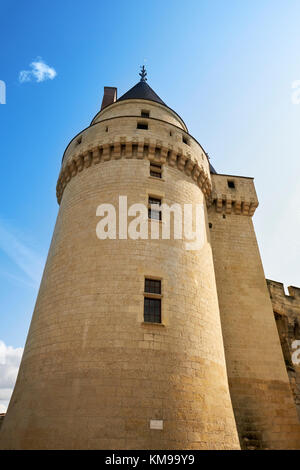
141	91
212	170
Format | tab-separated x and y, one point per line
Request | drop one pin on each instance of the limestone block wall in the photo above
133	108
263	404
286	309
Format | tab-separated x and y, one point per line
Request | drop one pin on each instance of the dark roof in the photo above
141	91
212	170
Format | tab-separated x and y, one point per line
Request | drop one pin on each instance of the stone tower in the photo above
141	343
262	398
113	360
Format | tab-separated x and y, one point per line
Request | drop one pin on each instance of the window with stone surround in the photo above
154	208
152	301
145	113
142	125
155	170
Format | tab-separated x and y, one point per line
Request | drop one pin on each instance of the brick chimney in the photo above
109	96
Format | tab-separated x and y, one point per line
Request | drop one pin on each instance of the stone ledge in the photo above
147	324
239	200
154	151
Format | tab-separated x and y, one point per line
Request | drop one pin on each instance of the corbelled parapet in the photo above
134	148
233	194
119	137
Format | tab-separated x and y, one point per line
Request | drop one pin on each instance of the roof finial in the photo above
143	74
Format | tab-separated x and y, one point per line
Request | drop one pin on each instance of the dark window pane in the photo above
154	200
155	174
154	214
152	310
153	286
156	165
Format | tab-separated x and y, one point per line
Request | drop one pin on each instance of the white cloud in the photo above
39	72
3	408
9	365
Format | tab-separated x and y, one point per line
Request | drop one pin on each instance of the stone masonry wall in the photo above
287	315
262	400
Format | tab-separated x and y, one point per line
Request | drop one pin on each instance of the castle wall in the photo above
263	404
93	374
1	418
117	125
286	309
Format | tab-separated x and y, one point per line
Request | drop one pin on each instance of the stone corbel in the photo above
106	152
96	156
181	162
189	166
87	159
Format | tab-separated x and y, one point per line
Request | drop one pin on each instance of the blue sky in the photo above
226	67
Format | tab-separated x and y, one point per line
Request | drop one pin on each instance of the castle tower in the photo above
125	346
261	394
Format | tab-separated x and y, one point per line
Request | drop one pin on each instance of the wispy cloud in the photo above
18	279
39	71
9	365
31	264
24	257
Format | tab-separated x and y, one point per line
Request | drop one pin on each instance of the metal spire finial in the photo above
143	74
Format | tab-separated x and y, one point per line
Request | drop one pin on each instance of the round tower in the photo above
125	348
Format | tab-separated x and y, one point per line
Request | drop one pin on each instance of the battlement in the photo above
280	300
120	138
234	194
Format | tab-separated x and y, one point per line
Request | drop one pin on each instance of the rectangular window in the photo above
152	301
142	125
231	184
145	114
152	310
154	212
153	286
155	170
185	140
